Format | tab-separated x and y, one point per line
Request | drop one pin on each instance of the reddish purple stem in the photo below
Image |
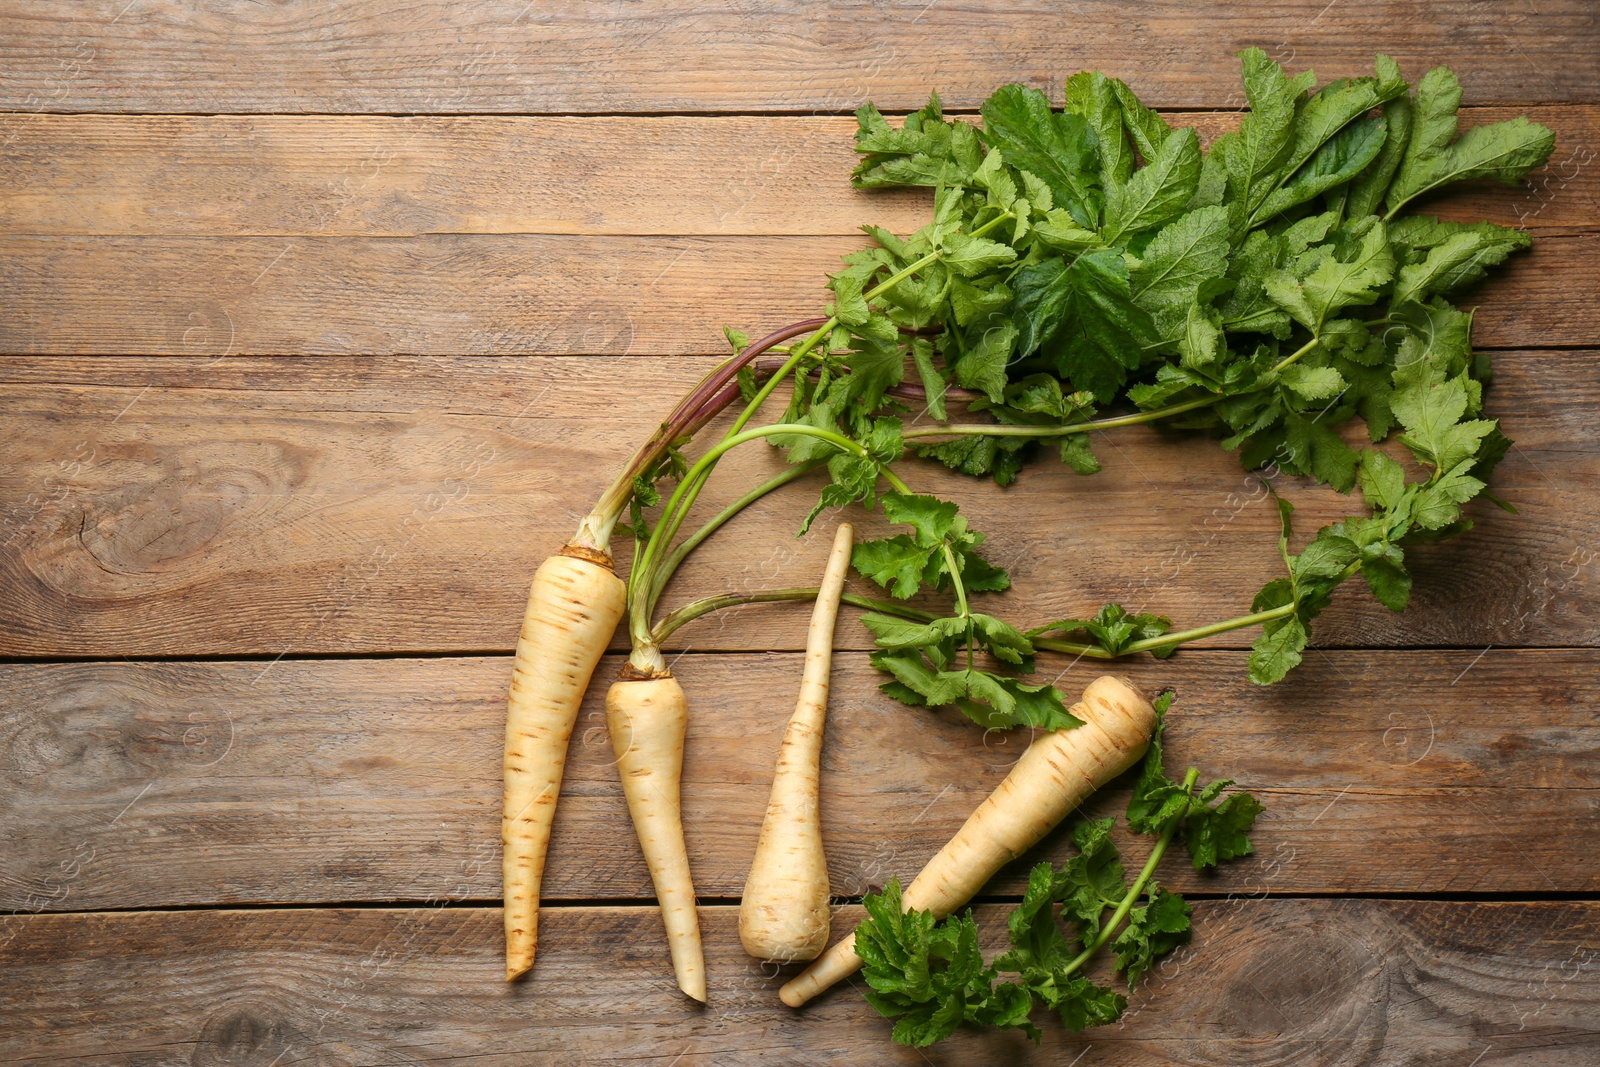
712	394
719	388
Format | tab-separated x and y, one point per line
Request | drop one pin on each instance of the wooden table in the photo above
324	322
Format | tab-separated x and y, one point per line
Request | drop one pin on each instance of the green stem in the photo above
1178	637
954	567
671	522
669	566
888	607
1139	883
643	568
894	480
1090	425
1072	648
799	352
1296	354
706	605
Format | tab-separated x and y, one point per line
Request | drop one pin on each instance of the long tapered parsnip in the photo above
1055	774
647	718
574	606
783	914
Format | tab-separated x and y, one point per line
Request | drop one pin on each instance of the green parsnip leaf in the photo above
1435	156
1056	147
1085	315
1092	881
1157	192
1266	133
1112	629
1336	161
1147	128
1156	800
1432	416
902	564
971	256
1444	256
1221	832
1328	278
1277	651
1093	96
926	150
929	976
1153	930
1327	146
1180	259
1213	832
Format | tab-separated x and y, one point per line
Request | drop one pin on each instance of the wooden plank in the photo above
150	785
1359	981
386	176
247	506
502	56
707	175
504	294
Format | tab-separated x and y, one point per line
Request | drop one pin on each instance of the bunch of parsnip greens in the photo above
1265	290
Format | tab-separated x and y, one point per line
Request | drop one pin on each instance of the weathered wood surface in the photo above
267	506
148	785
507	294
390	494
762	175
1334	983
515	56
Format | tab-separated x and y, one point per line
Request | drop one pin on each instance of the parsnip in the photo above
783	914
1053	776
647	719
573	608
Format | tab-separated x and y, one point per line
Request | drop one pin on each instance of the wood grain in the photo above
502	294
272	506
503	56
372	175
1336	983
292	227
151	785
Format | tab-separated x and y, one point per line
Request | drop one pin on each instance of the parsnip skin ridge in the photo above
784	911
1056	773
574	605
647	719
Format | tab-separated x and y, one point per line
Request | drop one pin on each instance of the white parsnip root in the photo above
574	606
647	719
1055	774
783	914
